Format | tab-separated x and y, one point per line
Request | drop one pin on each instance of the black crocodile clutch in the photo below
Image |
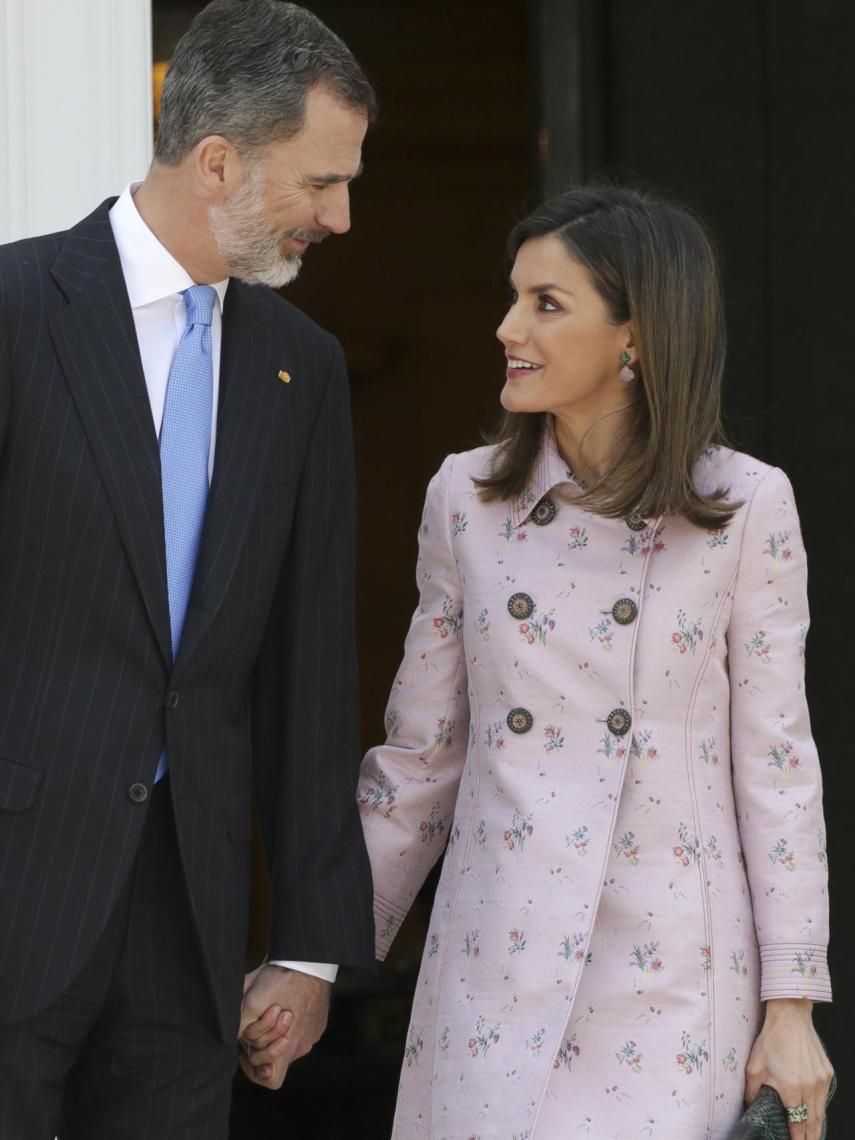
766	1118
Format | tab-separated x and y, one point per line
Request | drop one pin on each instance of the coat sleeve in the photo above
306	713
777	780
408	786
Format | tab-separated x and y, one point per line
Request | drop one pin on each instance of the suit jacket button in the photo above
544	512
520	721
520	606
174	699
624	611
618	722
138	793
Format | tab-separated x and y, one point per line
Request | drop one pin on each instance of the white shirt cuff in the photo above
316	969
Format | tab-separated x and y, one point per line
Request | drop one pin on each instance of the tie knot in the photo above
200	301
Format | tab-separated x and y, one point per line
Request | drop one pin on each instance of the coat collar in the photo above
550	471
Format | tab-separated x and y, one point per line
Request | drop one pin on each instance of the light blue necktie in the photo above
185	444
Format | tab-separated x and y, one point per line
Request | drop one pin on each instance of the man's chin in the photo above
274	276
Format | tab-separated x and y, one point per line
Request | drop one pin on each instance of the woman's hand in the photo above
790	1058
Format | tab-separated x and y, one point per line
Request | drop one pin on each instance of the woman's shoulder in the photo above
461	467
738	473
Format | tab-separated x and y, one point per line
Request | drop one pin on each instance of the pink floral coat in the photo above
605	723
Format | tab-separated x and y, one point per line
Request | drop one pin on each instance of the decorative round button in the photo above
520	721
174	699
520	606
635	522
624	611
544	512
138	793
618	722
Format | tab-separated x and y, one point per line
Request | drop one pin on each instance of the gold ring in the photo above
798	1114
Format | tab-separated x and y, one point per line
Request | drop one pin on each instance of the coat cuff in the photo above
794	970
388	917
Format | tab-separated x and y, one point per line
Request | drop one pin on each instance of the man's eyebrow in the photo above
547	287
334	179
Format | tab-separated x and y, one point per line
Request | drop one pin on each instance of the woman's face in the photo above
563	353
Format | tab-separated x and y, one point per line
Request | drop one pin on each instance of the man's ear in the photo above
217	166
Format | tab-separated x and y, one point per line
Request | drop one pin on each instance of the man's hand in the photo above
283	1015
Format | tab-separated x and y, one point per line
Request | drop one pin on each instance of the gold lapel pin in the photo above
285	377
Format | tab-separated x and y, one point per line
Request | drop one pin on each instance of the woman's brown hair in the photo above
653	263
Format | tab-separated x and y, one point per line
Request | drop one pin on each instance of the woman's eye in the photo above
547	305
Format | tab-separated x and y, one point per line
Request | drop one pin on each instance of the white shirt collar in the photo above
151	272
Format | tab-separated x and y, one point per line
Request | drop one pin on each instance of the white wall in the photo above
75	108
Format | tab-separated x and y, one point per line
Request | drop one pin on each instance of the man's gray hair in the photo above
243	69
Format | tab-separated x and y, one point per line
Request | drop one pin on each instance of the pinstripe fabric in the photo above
265	673
132	1048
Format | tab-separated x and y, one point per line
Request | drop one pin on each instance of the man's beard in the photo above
250	250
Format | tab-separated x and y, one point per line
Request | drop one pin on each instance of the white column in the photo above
75	108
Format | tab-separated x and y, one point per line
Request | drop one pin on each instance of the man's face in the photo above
295	193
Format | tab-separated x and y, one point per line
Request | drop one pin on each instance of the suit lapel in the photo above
249	419
96	342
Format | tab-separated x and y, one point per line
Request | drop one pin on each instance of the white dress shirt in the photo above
155	281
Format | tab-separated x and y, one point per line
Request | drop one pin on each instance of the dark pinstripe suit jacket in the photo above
264	686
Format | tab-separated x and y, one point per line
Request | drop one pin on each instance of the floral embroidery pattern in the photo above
521	828
780	854
612	748
459	523
627	847
717	538
481	834
517	941
688	635
482	625
708	752
689	847
578	538
639	545
511	533
629	1055
444	732
470	944
535	1043
641	749
554	738
647	958
415	1044
713	850
783	757
579	840
432	826
536	628
390	723
737	963
602	635
693	1055
493	738
433	946
485	1036
803	963
379	794
706	958
568	1050
776	547
451	621
573	948
728	1061
443	1041
759	647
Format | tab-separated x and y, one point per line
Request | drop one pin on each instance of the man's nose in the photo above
334	214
